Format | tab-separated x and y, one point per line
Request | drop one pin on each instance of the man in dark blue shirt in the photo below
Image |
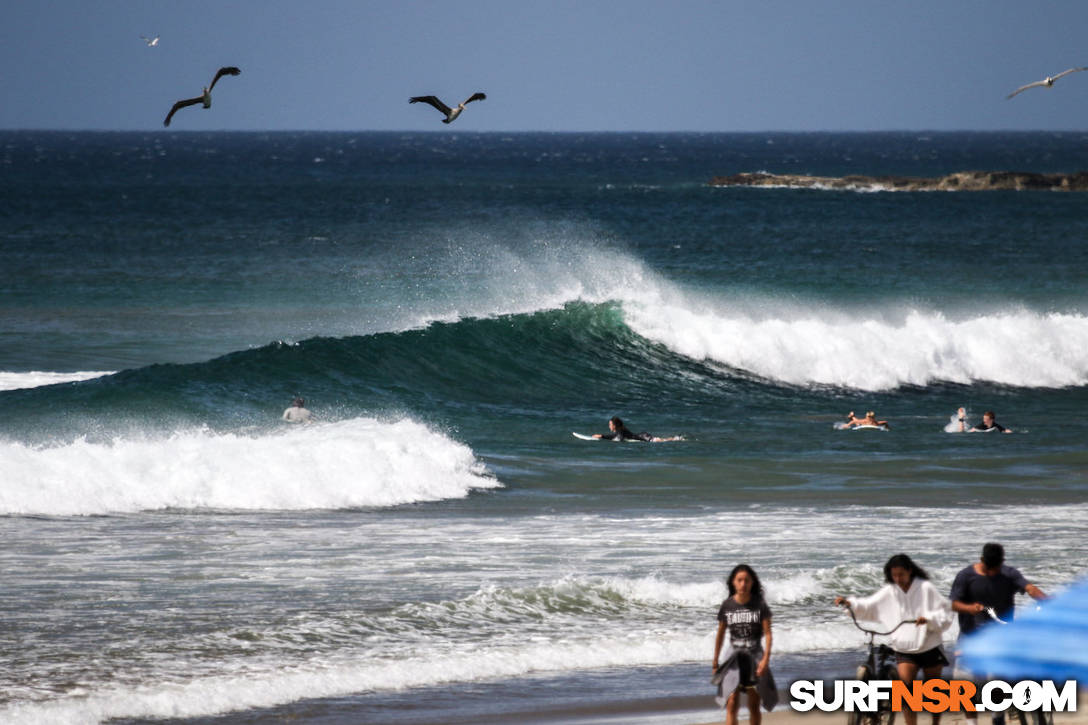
988	584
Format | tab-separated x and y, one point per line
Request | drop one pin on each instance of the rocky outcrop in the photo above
960	181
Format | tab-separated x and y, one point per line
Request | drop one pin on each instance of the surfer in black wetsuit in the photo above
620	432
988	424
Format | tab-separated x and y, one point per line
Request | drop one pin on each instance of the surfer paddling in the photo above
298	413
853	421
621	432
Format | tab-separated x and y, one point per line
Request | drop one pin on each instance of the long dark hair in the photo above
904	562
757	588
620	427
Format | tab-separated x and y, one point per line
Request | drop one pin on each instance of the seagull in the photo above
205	97
151	42
1048	81
451	113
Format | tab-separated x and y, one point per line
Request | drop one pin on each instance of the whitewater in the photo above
437	546
341	465
508	622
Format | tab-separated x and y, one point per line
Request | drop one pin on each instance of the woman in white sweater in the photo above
908	595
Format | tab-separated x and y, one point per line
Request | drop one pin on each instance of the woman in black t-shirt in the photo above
747	619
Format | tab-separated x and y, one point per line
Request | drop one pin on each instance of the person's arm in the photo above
963	419
1023	585
936	610
718	645
867	607
967	608
958	596
762	666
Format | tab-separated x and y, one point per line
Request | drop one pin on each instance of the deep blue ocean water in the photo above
452	306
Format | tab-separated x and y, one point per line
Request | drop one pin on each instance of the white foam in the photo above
867	351
344	675
36	378
799	343
354	463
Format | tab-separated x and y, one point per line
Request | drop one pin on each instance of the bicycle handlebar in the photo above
873	631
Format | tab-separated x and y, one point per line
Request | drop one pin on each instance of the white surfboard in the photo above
584	437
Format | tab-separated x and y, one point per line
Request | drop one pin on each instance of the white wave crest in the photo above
355	463
792	342
36	378
1021	348
272	686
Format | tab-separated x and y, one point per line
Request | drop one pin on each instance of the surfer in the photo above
621	432
870	419
989	425
297	413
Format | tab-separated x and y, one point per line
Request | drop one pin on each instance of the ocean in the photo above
437	546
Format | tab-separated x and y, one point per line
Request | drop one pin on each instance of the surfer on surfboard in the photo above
621	432
869	420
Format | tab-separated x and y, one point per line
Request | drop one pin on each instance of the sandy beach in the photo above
699	710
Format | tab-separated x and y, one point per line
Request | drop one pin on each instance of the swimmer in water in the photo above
989	425
870	419
620	432
297	413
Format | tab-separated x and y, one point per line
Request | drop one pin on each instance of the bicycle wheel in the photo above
1015	717
886	716
860	718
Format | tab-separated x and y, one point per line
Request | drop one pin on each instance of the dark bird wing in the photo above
1021	89
226	71
431	101
1071	70
476	97
181	104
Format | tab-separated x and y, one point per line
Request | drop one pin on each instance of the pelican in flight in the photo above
451	113
205	97
151	42
1047	82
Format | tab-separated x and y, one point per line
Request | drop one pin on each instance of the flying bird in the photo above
451	113
205	97
1047	82
151	42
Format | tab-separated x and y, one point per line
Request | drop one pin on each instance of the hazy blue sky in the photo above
598	65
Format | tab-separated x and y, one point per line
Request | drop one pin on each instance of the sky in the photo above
563	65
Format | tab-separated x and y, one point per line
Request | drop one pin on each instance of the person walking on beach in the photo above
988	584
745	616
297	413
908	595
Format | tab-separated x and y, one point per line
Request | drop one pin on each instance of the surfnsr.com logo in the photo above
933	696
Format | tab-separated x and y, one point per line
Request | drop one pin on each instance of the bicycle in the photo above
1013	715
879	665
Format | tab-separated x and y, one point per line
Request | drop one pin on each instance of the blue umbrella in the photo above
1049	643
